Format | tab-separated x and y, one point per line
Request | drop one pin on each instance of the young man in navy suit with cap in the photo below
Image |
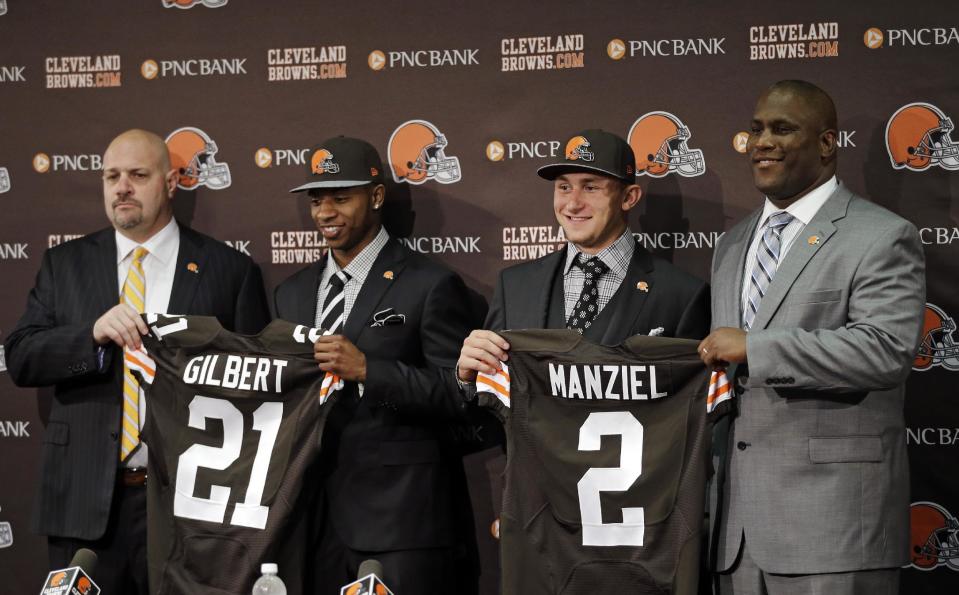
392	490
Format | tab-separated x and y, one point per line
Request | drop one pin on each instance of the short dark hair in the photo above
817	98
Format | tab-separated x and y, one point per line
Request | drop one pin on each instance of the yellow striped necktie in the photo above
134	295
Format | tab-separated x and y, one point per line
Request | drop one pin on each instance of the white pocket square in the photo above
656	332
387	317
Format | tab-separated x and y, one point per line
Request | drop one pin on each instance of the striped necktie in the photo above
330	317
134	295
767	261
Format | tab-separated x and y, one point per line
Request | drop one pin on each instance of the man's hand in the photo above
122	325
337	354
723	346
482	352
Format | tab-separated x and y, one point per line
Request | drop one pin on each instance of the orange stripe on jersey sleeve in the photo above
497	387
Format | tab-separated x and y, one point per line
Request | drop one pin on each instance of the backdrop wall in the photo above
254	84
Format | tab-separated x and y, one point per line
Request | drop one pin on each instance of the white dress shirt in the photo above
803	210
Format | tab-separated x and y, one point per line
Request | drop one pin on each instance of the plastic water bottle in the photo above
269	583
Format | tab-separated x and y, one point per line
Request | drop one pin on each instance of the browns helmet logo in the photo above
57	579
937	346
917	138
934	537
192	154
192	3
4	180
417	154
577	149
659	141
84	585
322	162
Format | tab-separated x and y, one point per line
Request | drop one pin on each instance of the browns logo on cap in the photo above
322	162
594	151
342	162
578	148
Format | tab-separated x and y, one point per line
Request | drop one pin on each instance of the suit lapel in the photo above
534	312
190	260
108	288
306	291
809	241
391	258
628	300
731	271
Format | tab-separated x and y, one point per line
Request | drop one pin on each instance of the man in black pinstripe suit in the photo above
71	337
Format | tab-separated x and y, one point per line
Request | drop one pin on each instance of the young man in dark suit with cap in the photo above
392	491
603	284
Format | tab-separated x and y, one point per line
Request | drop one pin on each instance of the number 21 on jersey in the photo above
250	512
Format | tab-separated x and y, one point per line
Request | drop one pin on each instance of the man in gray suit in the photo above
817	307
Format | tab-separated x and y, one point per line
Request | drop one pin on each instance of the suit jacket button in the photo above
114	436
742	445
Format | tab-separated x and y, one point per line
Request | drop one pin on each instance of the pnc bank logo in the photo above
616	49
43	162
265	157
380	60
873	38
740	140
376	60
151	69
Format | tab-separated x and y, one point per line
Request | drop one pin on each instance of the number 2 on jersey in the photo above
614	479
249	513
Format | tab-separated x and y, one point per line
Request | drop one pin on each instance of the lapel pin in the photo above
193	268
388	275
643	286
813	240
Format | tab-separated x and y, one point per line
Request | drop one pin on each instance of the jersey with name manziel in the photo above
233	423
607	462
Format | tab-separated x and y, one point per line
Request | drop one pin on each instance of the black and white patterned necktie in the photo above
587	307
330	317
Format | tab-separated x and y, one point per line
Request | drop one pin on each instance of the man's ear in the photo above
631	196
378	196
172	177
